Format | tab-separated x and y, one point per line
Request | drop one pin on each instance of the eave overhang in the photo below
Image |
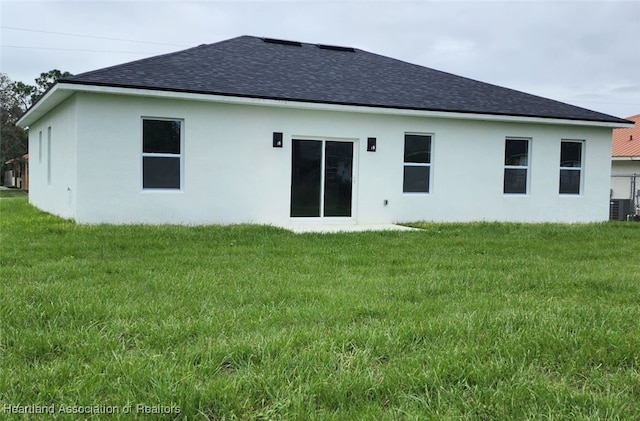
625	158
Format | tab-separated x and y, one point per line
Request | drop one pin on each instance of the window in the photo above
40	147
417	163
570	166
516	166
49	155
161	153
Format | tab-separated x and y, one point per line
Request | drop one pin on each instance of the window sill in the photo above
170	191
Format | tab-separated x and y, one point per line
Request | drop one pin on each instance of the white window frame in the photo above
580	168
419	164
144	154
518	167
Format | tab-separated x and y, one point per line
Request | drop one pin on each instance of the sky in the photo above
585	53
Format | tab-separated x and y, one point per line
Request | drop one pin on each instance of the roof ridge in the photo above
247	66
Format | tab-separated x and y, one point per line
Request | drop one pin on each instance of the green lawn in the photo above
458	321
12	193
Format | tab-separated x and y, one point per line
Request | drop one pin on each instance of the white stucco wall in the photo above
54	192
232	174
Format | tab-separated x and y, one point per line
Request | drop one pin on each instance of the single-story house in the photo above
268	131
625	171
17	173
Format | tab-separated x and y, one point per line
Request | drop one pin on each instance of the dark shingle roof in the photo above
263	68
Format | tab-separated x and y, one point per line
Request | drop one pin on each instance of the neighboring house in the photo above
625	171
258	130
17	175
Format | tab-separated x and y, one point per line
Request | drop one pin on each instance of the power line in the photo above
90	36
75	49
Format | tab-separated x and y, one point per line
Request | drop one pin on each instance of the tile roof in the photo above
626	142
255	67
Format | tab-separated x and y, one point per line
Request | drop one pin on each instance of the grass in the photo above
478	321
8	193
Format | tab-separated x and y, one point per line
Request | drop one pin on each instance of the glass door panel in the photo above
306	177
338	172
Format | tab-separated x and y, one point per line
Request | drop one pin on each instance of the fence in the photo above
625	197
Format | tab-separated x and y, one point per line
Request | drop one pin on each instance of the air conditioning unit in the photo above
619	209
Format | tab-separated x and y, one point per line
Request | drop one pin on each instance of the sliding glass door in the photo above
321	178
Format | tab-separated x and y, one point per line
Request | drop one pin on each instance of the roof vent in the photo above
282	42
336	48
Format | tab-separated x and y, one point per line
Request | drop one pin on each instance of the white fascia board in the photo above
62	91
49	101
625	158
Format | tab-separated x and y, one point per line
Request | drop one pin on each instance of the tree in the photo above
13	140
11	100
28	95
15	100
45	82
23	94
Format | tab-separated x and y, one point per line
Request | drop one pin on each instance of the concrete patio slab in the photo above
344	228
